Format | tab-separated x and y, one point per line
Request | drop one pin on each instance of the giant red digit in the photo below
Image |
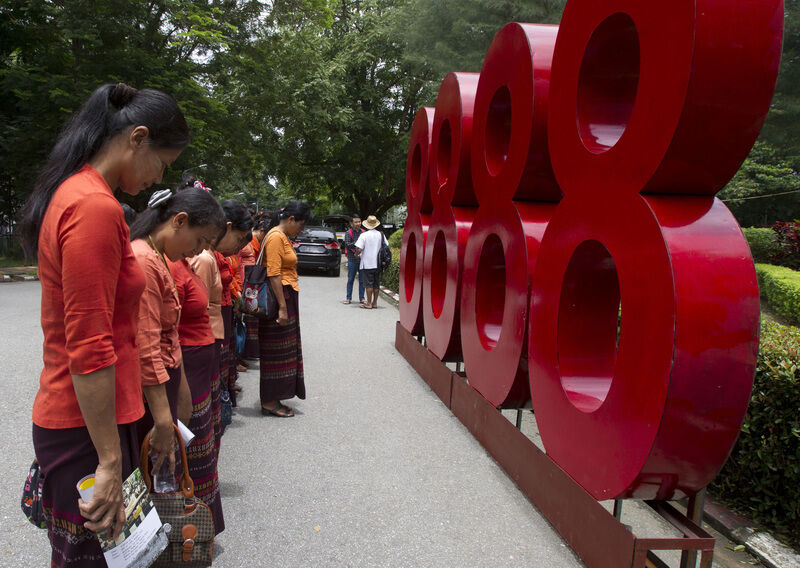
509	160
420	205
453	212
644	307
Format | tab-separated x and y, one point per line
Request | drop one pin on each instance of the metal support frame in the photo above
694	511
596	536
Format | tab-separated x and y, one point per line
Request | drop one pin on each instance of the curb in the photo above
390	296
18	278
756	541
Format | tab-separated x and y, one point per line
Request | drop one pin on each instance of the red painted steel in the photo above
441	284
509	142
412	254
418	193
449	165
498	261
669	97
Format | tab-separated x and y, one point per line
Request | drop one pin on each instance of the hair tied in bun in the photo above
121	94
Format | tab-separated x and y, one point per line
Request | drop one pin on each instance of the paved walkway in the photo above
373	471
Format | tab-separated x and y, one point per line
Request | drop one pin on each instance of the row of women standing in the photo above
125	323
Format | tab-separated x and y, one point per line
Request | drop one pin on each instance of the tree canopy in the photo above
299	98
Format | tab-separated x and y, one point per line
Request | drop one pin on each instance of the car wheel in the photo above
335	271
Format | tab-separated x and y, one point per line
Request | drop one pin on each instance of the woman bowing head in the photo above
90	393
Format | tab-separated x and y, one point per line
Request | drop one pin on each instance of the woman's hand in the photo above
106	510
283	316
162	446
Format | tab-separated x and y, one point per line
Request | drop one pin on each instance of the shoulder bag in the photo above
187	520
258	299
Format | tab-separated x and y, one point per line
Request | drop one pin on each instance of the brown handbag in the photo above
187	520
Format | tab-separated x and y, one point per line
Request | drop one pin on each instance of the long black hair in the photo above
108	111
200	206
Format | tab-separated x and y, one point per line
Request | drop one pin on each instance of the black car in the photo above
317	248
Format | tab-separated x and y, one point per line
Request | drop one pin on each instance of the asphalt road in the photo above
373	471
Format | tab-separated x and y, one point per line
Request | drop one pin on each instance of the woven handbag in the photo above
187	520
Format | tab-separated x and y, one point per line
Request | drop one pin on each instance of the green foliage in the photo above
780	287
396	239
752	194
390	277
763	244
762	476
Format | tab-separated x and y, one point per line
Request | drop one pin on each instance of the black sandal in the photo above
277	411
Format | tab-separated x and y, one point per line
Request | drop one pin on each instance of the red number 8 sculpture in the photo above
653	107
643	310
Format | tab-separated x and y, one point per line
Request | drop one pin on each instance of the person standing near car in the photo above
281	369
353	262
368	246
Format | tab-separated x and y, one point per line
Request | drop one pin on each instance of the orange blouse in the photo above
237	270
91	285
205	266
280	258
159	313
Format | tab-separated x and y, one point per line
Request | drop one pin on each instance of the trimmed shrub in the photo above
391	276
780	287
396	239
762	476
763	244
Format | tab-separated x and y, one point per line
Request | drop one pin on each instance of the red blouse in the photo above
91	285
194	327
159	310
226	275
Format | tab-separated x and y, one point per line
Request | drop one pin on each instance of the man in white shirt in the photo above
369	249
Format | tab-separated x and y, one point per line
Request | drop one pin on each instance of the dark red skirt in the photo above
251	342
202	372
227	363
65	456
282	354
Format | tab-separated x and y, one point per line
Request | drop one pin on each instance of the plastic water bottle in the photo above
163	479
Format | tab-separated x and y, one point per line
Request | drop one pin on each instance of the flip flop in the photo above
277	411
365	307
346	302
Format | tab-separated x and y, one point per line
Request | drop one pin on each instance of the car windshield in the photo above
317	233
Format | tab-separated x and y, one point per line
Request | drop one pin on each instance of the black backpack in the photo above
385	256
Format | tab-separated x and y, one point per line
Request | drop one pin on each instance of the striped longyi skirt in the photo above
251	342
281	354
202	372
65	456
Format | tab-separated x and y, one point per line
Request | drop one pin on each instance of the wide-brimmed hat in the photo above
371	222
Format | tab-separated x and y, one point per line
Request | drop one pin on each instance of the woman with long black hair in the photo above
279	341
90	390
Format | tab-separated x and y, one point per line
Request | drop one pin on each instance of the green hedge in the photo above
780	287
762	475
396	239
391	276
763	244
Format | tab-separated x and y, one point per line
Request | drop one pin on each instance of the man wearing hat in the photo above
369	249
